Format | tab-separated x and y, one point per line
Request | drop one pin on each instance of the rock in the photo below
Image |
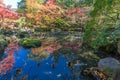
58	30
53	65
108	62
53	30
113	65
24	77
95	73
70	64
18	72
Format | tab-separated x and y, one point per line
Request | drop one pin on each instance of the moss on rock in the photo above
30	43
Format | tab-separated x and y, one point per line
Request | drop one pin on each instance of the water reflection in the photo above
26	69
56	59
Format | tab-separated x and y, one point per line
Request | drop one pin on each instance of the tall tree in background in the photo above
68	4
21	6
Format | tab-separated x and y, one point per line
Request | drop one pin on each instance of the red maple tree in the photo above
7	13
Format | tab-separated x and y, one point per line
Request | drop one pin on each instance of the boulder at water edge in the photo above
108	62
113	65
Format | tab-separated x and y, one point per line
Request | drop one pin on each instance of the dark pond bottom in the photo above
26	69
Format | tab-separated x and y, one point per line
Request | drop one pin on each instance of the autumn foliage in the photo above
7	16
7	13
40	11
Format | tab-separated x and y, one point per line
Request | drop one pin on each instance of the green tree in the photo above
74	3
22	6
104	25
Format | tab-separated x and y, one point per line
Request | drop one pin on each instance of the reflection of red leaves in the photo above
11	52
46	46
7	63
49	49
73	46
53	46
13	45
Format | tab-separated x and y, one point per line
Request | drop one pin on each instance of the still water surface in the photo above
38	70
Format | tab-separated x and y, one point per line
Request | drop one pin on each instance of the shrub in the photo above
30	43
2	31
23	34
102	29
60	23
6	32
42	28
3	44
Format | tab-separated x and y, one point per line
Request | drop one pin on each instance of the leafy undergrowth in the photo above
3	44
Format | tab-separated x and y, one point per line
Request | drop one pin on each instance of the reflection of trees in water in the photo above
58	45
43	55
70	48
73	60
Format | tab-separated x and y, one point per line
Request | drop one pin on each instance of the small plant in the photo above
3	44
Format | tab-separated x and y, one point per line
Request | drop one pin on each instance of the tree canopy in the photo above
104	25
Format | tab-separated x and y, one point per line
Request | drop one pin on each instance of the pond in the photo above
27	69
39	64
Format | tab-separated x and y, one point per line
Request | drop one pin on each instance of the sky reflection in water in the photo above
43	71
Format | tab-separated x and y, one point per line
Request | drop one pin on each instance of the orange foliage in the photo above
40	11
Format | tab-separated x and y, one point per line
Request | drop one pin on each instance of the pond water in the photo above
60	62
26	69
